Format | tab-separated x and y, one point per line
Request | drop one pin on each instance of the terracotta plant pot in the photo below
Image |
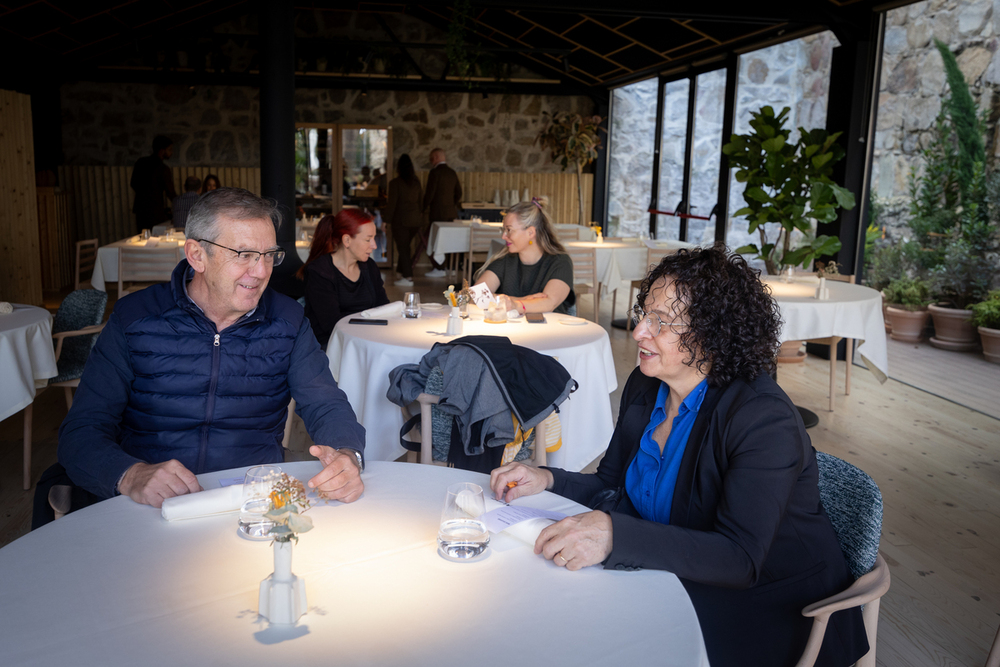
791	352
953	329
907	325
991	344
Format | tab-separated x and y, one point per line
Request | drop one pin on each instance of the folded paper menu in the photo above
388	310
522	523
203	503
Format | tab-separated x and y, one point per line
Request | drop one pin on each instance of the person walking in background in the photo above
403	212
441	199
184	202
210	183
151	180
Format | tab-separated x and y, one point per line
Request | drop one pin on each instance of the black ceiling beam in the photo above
405	50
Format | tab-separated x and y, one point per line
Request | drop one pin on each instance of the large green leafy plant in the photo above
573	139
789	184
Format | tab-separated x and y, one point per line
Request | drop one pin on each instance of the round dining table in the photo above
116	584
361	357
27	357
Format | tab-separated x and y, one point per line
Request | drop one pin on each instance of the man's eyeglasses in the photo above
652	321
251	257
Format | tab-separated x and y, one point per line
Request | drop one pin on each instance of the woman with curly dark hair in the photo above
710	473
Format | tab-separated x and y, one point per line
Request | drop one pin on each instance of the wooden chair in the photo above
993	659
567	235
139	268
833	341
74	331
854	504
86	258
480	237
423	404
585	276
653	257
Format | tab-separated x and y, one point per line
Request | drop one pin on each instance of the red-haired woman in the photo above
341	277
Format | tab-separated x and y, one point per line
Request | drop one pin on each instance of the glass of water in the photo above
257	486
411	304
463	534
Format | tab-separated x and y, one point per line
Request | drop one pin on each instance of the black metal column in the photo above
685	206
599	204
728	122
654	192
851	109
277	130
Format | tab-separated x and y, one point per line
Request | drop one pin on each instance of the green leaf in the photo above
800	256
821	159
757	194
826	245
845	198
774	144
746	249
746	210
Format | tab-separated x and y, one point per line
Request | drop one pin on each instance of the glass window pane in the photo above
633	127
672	148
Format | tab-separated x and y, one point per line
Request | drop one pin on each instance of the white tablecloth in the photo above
448	237
106	267
361	357
852	311
115	584
26	357
623	261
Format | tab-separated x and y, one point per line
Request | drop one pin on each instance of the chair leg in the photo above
68	392
540	436
870	616
833	368
28	415
993	660
426	435
850	363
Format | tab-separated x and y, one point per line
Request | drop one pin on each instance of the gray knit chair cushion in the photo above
854	504
81	308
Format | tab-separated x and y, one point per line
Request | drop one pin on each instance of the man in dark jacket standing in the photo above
442	197
196	375
151	180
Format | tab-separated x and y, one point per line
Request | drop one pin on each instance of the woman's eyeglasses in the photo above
652	321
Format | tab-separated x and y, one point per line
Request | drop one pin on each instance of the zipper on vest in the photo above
210	405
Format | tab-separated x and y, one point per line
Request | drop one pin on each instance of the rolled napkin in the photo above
6	308
203	503
388	310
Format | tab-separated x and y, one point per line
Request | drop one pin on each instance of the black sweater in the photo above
330	296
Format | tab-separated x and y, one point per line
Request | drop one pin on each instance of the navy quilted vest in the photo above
210	401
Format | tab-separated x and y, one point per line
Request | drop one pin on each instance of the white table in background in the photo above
361	357
106	267
625	260
448	237
852	311
27	357
115	584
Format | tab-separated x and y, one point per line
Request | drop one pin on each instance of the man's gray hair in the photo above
237	203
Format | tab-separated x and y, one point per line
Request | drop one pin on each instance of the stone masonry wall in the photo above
913	85
114	124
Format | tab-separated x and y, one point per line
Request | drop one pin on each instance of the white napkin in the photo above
388	310
6	308
203	503
152	242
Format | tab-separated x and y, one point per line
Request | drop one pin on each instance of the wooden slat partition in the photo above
56	239
20	263
101	199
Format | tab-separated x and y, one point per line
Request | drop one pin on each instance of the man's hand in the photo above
152	483
340	478
577	541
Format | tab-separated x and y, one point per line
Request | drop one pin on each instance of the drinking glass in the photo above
463	534
146	234
257	486
411	304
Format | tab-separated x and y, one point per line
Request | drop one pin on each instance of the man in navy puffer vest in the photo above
196	375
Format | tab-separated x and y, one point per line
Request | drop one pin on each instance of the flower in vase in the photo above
287	496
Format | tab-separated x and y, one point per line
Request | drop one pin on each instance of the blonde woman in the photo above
533	272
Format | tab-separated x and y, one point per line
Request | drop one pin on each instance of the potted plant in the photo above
907	309
962	279
789	184
573	139
986	317
883	264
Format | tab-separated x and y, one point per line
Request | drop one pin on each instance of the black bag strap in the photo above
411	423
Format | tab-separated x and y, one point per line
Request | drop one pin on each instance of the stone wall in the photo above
793	74
913	85
114	124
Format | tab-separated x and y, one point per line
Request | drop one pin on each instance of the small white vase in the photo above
526	196
282	595
496	197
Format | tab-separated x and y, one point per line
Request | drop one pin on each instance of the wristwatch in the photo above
357	457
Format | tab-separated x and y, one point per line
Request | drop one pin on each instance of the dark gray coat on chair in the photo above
748	536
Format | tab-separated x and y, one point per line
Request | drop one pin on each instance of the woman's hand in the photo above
577	541
527	481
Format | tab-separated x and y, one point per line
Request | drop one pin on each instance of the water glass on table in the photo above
257	485
411	305
463	535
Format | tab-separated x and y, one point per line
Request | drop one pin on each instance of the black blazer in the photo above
330	296
748	536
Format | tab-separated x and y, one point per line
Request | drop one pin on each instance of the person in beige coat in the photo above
404	214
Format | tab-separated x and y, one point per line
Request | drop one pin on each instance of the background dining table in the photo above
27	356
623	260
449	237
361	357
116	584
106	266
